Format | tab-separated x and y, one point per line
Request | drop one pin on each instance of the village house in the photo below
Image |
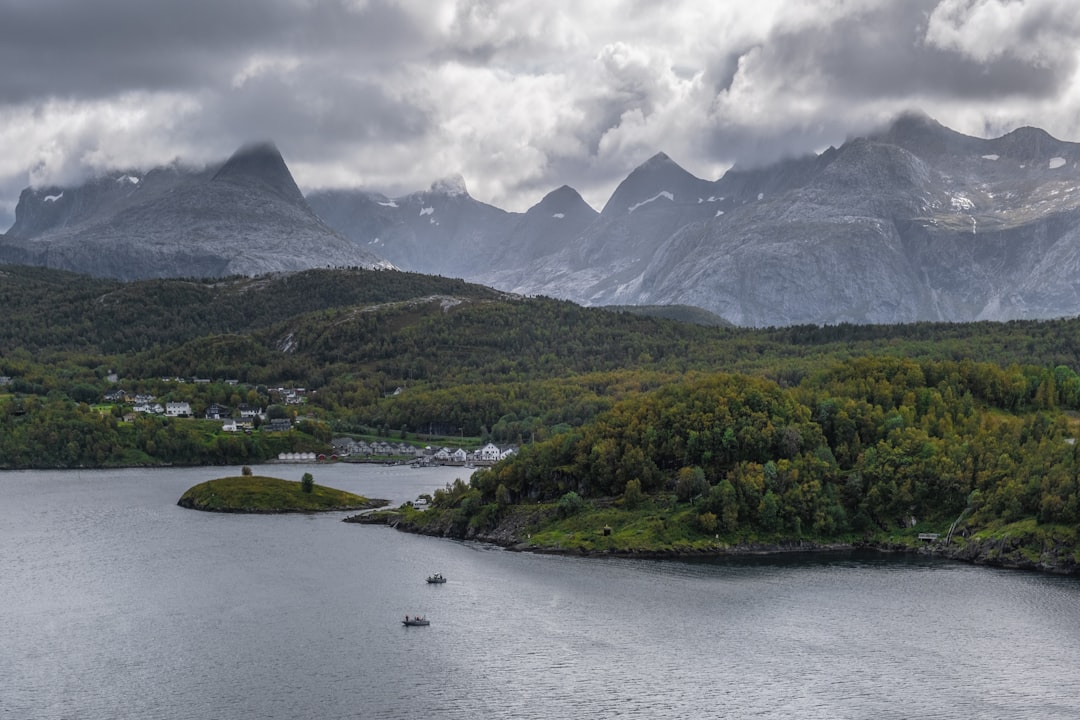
234	425
278	425
217	412
297	457
488	453
116	396
177	409
346	446
250	412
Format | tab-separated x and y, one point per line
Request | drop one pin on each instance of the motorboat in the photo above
415	621
436	578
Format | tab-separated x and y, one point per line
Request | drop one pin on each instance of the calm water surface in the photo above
116	603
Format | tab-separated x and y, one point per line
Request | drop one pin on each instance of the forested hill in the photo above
57	310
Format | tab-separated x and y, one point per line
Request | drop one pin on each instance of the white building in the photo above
177	409
489	453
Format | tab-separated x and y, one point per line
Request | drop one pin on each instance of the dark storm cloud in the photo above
518	96
883	54
315	110
95	49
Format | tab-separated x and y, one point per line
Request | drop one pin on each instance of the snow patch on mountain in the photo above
1055	163
960	202
657	196
426	211
53	198
990	157
389	204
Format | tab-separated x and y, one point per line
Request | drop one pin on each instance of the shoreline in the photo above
1004	553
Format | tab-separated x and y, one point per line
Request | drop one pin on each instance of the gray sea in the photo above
116	603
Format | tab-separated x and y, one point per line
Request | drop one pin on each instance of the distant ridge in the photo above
912	222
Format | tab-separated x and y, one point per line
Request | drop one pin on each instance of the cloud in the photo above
1039	32
518	97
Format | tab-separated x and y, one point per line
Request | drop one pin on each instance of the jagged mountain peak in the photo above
561	198
261	162
452	185
659	177
914	121
659	159
245	216
1028	144
919	133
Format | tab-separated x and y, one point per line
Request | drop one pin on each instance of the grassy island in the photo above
261	494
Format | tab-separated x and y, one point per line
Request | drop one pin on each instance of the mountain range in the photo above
915	222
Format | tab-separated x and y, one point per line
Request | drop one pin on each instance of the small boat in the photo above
436	578
415	621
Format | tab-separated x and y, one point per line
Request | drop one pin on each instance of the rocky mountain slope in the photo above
917	222
245	216
446	231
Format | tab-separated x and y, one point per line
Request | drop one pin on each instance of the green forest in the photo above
822	432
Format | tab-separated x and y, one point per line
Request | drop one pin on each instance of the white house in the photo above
489	453
177	409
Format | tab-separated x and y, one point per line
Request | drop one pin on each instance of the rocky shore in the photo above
1012	553
511	533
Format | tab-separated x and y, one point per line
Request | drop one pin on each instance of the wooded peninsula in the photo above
634	433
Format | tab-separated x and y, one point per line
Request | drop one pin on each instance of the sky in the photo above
518	97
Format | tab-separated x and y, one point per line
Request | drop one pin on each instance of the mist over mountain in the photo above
245	216
914	222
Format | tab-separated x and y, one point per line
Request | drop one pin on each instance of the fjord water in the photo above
116	603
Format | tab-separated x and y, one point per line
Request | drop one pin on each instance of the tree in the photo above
690	482
632	496
307	483
570	504
245	471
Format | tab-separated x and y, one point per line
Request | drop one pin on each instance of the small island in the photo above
260	494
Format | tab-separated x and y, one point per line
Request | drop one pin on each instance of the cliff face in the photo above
245	217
